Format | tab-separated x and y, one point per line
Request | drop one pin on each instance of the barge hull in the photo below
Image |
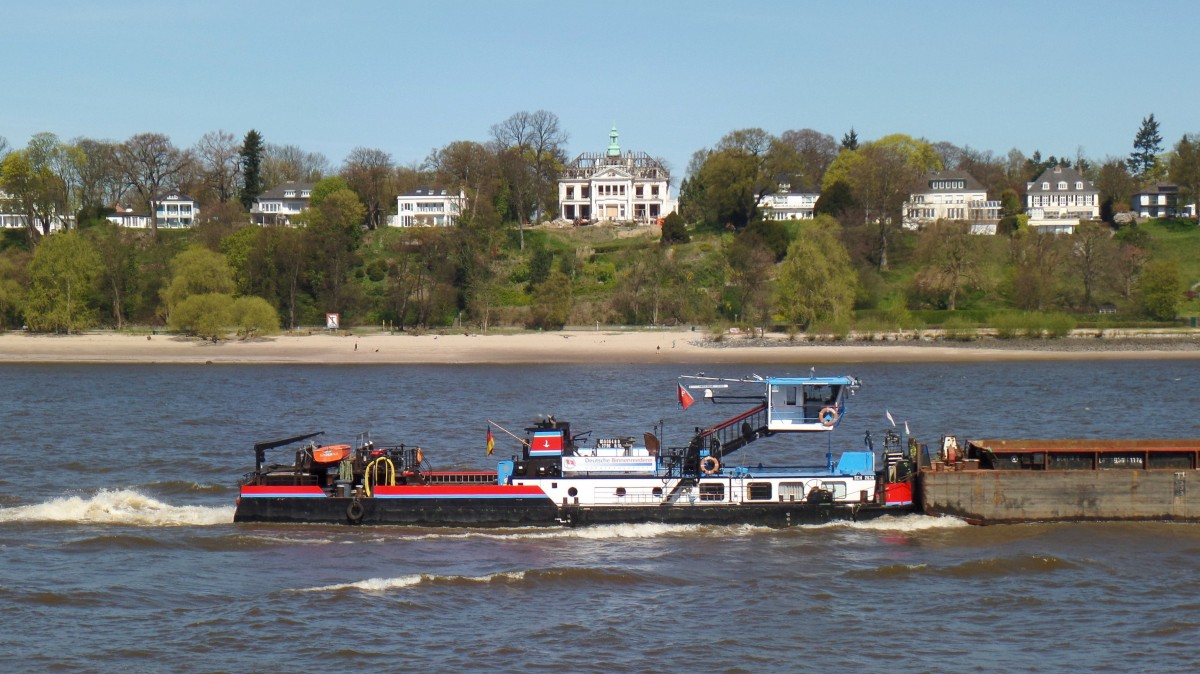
539	512
1014	496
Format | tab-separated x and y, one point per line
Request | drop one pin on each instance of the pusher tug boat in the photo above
557	480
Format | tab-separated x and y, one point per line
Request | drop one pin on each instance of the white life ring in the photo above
828	416
710	465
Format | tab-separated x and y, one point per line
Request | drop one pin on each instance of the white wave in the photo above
385	584
909	522
117	506
595	532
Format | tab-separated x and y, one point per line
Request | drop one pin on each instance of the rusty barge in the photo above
1013	481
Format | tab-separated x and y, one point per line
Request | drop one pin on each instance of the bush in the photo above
960	330
205	315
254	316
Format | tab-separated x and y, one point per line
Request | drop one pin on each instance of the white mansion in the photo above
1059	199
613	186
951	195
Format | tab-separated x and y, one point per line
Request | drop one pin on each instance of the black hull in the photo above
466	512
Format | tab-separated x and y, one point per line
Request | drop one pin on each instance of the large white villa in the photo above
615	186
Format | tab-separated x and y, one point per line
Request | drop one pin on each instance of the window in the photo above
838	489
620	491
1045	186
759	491
637	191
1062	184
1078	185
289	194
654	190
712	491
570	191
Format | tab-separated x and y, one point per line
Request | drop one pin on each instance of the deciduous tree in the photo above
1185	168
62	280
150	165
220	164
952	261
1160	289
816	282
370	173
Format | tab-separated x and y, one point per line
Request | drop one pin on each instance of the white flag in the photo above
906	431
889	417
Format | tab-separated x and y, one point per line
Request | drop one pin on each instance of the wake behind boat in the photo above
558	480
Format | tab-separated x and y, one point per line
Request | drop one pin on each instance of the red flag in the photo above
491	442
685	398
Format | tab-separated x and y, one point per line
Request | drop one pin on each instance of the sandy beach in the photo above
580	346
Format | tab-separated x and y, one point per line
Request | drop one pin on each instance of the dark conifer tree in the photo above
252	154
1146	146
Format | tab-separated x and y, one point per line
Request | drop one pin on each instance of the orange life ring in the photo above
331	453
710	465
828	416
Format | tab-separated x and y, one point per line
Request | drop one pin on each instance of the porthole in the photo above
572	492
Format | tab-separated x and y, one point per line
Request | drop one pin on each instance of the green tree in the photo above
1036	264
816	281
253	316
1146	146
369	173
33	191
551	302
881	175
197	271
749	263
205	315
62	280
850	140
1116	188
674	229
118	266
12	290
333	231
1160	289
1185	168
251	155
952	261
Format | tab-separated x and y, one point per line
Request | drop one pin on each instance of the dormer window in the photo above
1045	186
1062	184
289	194
1079	185
306	194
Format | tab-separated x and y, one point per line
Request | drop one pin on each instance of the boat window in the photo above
620	491
657	491
791	395
712	491
792	491
838	489
759	491
572	492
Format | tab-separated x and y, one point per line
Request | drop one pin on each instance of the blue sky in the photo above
674	76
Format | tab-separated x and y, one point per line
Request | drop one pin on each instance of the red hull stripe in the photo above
286	491
460	491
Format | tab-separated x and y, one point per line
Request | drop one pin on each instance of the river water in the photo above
118	551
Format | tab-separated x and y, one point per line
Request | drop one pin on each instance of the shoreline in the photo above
576	347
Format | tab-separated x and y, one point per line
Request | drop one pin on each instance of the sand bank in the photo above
583	346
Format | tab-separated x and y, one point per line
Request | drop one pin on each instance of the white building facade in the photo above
277	206
428	207
616	187
1059	199
953	196
788	205
176	211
